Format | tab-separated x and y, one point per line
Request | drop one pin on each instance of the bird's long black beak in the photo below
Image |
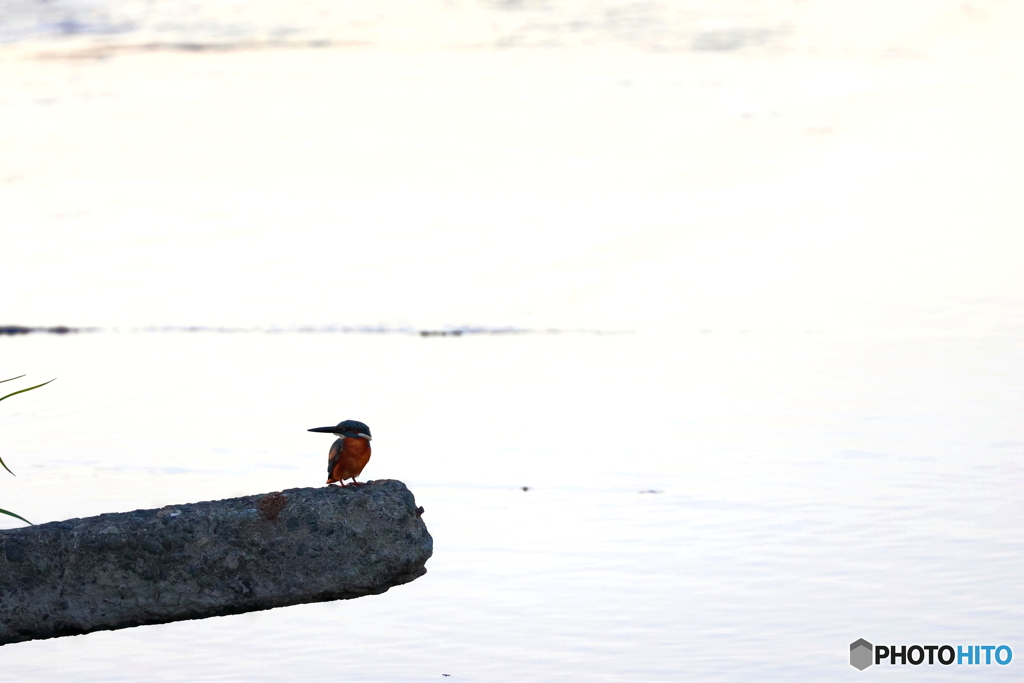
326	430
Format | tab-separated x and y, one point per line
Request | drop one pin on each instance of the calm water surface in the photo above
715	506
806	215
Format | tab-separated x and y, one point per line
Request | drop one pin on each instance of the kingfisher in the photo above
349	454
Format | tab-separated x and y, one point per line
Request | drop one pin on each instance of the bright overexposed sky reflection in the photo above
806	184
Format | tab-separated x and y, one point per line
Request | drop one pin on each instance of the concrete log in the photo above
208	559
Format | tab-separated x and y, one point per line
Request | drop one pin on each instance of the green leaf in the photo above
7	512
24	390
2	511
8	396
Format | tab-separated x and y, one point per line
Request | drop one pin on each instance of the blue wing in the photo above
336	448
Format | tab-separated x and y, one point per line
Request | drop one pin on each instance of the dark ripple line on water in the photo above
11	330
449	331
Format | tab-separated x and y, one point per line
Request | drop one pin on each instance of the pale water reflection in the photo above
805	215
812	489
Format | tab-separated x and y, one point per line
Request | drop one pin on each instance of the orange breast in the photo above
355	453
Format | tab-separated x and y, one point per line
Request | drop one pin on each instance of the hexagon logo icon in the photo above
861	652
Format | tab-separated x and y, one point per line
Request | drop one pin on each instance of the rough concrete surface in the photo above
208	559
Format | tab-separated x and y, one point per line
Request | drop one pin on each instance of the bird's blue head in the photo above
350	428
